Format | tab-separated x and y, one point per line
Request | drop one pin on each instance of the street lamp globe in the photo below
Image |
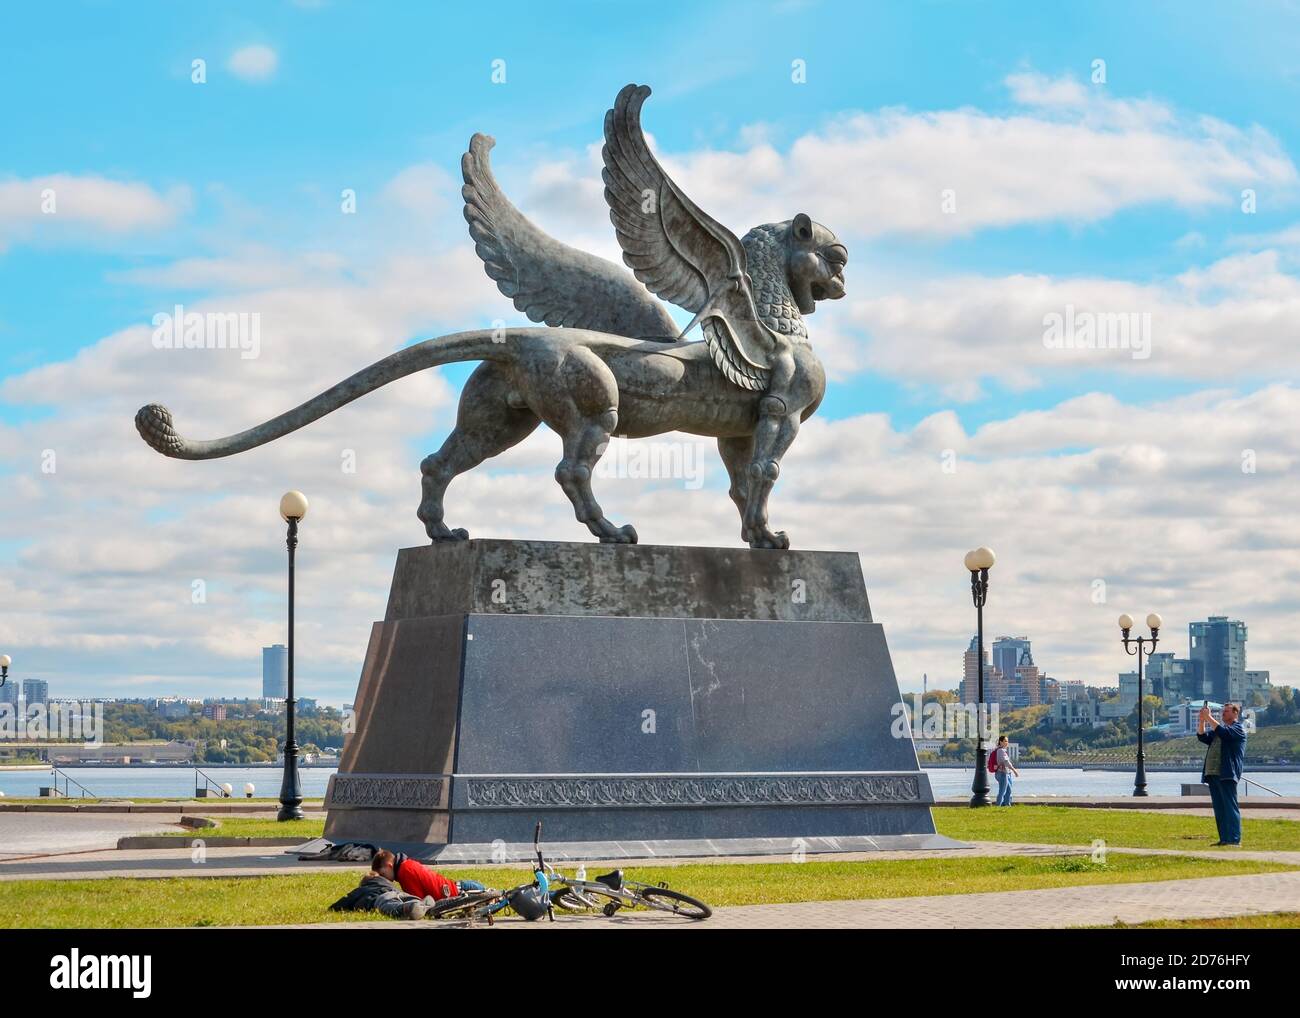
5	661
227	788
249	790
1154	622
293	505
980	558
1126	621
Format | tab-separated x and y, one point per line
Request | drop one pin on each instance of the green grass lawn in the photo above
1269	921
252	827
241	901
1119	828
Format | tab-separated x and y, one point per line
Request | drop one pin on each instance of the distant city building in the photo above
173	710
275	672
1008	652
1011	678
1215	668
994	686
1184	717
1173	678
120	753
35	691
1128	690
1070	712
970	668
214	711
1219	645
1080	704
1027	691
9	693
1258	683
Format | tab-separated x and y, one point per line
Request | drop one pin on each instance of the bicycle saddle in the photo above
612	880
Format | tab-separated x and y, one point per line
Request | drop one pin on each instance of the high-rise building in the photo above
970	665
9	693
1219	645
35	691
995	690
1027	690
1008	652
275	672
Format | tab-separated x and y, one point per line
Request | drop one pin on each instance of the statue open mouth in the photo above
833	290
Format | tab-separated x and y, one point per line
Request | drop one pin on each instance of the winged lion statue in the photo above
611	360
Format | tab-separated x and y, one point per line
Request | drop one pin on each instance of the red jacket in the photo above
416	878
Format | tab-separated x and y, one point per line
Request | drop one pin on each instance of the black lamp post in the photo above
979	562
5	662
1145	647
293	507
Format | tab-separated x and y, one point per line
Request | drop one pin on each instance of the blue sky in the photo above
362	89
174	186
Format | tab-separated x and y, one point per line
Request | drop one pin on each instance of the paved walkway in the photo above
26	834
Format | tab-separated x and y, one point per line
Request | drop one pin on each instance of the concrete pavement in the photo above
27	834
1051	908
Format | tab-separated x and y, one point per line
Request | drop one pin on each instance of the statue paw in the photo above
764	538
619	535
438	533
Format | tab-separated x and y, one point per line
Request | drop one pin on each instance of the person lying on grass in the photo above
378	894
418	879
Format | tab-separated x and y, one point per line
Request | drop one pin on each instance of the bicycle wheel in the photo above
563	898
461	906
665	899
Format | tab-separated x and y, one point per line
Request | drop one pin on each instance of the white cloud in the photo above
1069	153
255	63
421	191
63	207
1233	319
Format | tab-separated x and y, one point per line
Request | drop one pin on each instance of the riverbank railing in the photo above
1250	781
209	783
68	781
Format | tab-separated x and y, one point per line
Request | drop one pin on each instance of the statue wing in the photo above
681	253
548	281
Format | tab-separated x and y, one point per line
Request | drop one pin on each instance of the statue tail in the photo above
154	422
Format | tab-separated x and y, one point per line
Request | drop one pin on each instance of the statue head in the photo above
815	261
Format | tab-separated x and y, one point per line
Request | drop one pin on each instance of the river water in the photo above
947	782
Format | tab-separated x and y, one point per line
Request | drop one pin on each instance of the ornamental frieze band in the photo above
765	790
379	792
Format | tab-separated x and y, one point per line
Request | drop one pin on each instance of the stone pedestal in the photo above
639	700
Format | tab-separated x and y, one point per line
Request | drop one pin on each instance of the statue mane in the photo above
766	252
